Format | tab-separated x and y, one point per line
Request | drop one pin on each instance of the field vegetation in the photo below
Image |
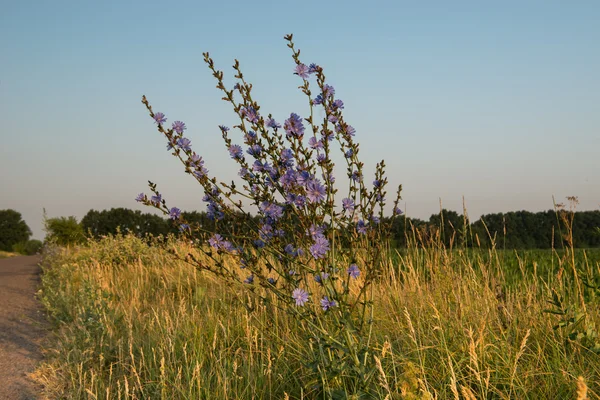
6	254
133	322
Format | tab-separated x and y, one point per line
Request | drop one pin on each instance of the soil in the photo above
22	327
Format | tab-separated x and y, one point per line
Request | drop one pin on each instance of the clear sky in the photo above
494	101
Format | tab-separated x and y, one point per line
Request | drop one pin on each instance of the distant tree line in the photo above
512	230
109	222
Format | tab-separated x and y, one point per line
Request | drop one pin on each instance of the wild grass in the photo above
7	254
133	323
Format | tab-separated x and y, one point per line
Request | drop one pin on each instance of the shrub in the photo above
28	248
309	252
64	231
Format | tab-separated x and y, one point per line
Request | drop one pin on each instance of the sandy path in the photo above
21	327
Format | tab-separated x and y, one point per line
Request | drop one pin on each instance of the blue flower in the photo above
287	158
197	163
216	241
249	280
346	129
174	213
312	68
318	100
200	172
184	227
315	231
184	144
272	281
338	104
313	143
289	249
322	276
302	71
156	200
290	198
328	91
398	211
327	135
315	191
250	137
320	248
303	177
171	144
254	150
271	170
179	127
257	166
265	232
361	227
348	205
326	304
300	296
377	183
321	158
300	201
349	153
140	197
223	128
213	211
259	244
271	123
353	271
271	210
250	114
196	160
293	126
288	179
160	118
236	152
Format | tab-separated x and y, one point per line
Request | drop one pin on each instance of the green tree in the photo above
452	225
64	231
13	229
109	222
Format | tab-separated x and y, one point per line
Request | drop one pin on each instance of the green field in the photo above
133	323
513	266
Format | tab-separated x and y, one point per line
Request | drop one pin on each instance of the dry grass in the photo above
7	254
132	323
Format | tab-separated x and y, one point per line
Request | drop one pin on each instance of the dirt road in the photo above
21	327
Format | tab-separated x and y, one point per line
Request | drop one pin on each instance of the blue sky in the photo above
496	102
